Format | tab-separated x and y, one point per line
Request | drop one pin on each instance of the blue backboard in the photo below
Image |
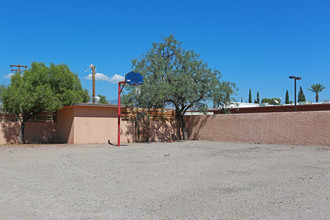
134	78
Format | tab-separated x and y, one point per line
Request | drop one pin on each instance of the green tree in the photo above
103	99
317	88
258	99
178	77
301	96
287	100
40	89
272	101
250	96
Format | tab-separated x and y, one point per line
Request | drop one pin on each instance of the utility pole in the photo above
93	79
18	68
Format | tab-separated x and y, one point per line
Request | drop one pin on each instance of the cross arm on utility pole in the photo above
18	68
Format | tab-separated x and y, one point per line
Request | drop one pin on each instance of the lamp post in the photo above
295	90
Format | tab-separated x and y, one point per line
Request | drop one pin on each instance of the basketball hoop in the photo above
132	78
137	90
135	79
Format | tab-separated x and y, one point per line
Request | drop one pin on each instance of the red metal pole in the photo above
119	112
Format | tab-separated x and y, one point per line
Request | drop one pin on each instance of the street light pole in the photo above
295	90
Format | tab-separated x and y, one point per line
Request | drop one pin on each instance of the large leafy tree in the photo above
41	88
178	77
317	88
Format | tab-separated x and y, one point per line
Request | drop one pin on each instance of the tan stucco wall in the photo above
84	125
94	124
40	132
64	125
100	124
35	132
164	130
74	125
305	128
9	132
100	130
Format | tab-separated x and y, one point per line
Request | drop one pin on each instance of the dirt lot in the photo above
186	180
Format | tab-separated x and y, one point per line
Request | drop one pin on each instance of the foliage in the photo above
178	77
287	99
85	96
317	88
221	96
258	99
272	101
250	96
103	99
301	96
39	89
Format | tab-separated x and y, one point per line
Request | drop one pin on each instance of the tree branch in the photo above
191	104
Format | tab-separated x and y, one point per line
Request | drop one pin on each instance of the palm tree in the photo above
316	88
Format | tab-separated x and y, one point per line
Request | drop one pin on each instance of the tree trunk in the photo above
183	128
21	139
317	97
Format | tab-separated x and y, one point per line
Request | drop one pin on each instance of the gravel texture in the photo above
181	180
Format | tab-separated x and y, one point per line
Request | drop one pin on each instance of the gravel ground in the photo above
182	180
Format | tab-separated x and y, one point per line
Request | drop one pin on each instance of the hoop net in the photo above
137	90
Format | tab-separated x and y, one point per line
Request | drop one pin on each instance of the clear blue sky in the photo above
256	44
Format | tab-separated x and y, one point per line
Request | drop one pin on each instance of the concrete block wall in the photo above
85	124
299	128
35	132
